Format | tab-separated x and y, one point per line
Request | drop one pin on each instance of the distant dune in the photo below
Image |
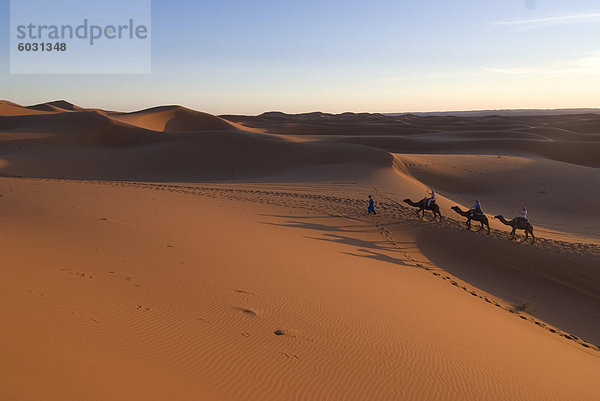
504	112
569	138
57	106
12	109
90	144
172	119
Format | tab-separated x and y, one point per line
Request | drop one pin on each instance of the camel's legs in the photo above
527	232
434	215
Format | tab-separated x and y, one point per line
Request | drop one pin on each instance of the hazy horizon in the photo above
574	110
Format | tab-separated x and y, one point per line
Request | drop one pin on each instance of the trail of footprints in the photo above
355	208
511	309
251	313
343	207
81	275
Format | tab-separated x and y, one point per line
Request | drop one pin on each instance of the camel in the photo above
422	205
518	224
477	217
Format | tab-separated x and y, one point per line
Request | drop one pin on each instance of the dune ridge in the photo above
172	119
91	144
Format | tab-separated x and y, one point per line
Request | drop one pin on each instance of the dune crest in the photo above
57	106
172	119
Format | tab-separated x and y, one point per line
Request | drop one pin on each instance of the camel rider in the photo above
476	209
431	199
523	214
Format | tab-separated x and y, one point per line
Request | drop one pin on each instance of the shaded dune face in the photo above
80	128
56	106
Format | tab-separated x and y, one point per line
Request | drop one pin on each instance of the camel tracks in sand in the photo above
390	213
474	292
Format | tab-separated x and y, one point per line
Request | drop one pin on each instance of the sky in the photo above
248	57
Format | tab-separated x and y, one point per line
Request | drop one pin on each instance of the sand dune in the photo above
92	145
309	306
585	153
12	109
568	138
172	119
75	128
230	258
57	106
552	191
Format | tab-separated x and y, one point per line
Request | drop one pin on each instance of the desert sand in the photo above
172	254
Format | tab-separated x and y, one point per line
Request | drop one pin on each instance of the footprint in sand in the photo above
243	292
289	355
284	333
247	311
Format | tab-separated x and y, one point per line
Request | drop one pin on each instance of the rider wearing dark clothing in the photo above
476	209
431	199
371	208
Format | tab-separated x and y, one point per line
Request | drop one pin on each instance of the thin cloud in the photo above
394	78
522	24
583	65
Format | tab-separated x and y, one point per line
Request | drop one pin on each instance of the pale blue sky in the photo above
239	56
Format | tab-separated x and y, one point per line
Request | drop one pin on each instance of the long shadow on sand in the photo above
379	257
319	226
359	243
366	249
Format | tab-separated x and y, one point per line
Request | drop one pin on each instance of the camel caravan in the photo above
521	222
